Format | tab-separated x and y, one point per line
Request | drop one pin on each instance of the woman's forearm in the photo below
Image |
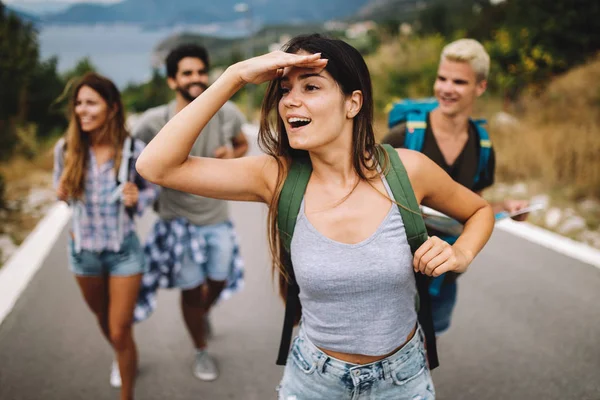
476	233
172	145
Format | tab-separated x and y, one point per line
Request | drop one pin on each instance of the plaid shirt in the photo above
164	251
95	219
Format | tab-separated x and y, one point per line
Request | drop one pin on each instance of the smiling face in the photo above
456	88
191	79
314	110
91	110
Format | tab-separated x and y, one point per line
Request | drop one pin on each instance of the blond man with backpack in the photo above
442	128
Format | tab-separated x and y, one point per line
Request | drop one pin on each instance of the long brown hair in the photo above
349	70
77	142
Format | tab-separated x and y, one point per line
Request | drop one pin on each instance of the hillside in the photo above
561	124
25	16
170	12
402	10
222	49
38	8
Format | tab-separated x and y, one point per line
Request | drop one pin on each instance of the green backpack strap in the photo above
288	209
416	233
397	178
291	199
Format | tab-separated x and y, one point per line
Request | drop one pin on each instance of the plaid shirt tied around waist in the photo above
164	250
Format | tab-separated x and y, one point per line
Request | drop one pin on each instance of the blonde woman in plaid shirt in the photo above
94	173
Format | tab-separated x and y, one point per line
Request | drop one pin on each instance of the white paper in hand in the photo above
437	221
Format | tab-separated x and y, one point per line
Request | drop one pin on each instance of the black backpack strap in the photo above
416	233
292	308
290	200
485	150
129	152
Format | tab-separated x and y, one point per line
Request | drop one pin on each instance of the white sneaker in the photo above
205	367
115	375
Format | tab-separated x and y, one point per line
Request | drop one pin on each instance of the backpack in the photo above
414	114
291	197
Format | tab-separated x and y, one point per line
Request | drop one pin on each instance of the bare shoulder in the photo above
413	161
424	174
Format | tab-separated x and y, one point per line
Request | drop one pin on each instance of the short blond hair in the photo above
472	52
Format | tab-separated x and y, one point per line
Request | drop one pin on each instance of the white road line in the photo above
554	241
29	257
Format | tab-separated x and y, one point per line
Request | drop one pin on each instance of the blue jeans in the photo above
218	256
311	374
442	306
128	261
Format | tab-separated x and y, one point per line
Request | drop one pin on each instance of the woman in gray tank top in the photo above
359	336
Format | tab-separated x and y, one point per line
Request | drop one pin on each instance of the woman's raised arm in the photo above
166	161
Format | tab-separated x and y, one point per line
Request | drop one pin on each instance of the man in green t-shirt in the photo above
193	241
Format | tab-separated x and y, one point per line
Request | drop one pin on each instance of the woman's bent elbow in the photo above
147	171
489	211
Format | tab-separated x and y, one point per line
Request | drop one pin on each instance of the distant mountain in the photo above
41	7
221	49
23	15
402	10
172	12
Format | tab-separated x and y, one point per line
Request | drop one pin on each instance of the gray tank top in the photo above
356	298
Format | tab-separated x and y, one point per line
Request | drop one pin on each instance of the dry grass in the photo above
21	175
557	138
404	67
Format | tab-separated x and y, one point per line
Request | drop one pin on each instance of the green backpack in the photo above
291	197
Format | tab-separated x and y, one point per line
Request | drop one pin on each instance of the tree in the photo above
46	85
568	29
446	17
540	39
18	57
82	67
138	98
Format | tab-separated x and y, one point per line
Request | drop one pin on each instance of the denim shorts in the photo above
218	257
311	374
125	262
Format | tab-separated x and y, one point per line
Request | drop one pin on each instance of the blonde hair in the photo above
472	52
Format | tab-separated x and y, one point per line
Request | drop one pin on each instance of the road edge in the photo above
19	269
553	241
